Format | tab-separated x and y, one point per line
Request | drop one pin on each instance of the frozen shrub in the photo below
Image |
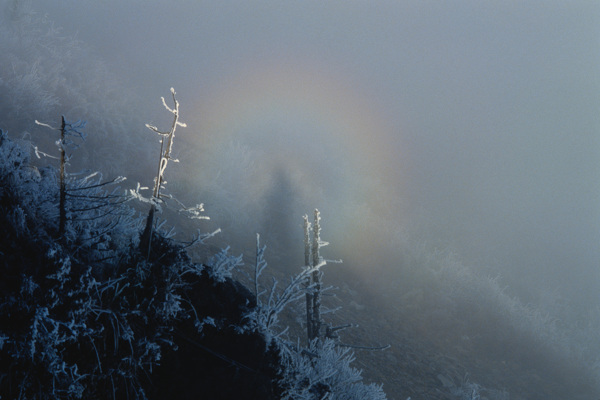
222	264
323	371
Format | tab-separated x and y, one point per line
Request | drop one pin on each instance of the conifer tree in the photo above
67	130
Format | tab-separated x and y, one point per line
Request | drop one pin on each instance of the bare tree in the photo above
314	261
166	147
309	296
313	285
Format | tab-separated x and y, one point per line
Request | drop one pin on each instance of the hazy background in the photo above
470	126
492	108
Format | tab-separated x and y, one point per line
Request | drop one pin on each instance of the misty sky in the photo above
480	119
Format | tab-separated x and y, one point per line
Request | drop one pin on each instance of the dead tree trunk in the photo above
313	260
166	147
316	278
309	296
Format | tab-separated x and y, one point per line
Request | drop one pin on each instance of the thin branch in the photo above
387	346
118	179
200	238
94	197
46	125
98	206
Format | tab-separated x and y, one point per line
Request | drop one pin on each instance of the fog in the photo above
467	128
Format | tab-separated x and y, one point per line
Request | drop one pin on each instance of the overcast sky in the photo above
476	122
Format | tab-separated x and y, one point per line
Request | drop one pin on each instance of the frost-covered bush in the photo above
35	186
222	264
323	371
320	370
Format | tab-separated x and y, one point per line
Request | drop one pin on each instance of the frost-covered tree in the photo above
314	261
67	131
314	285
320	370
158	197
166	147
87	204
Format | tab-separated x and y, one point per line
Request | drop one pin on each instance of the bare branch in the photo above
350	346
46	125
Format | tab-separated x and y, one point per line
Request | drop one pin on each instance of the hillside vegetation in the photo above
85	314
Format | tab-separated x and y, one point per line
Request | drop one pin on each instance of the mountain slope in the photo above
84	314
